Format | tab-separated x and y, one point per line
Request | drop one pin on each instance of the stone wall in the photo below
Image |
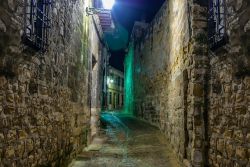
170	66
96	49
44	110
162	74
229	92
196	96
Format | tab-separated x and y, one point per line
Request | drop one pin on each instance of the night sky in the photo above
125	13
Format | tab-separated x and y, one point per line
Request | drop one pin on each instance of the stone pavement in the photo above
127	142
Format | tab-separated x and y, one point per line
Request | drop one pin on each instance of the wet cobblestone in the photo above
127	142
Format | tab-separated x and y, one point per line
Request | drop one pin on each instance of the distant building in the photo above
115	89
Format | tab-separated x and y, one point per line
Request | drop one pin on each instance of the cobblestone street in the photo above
127	142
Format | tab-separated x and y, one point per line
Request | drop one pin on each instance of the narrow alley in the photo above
124	83
127	142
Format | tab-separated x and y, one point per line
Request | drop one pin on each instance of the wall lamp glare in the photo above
110	81
108	4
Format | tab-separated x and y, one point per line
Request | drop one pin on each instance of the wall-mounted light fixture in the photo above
110	81
107	6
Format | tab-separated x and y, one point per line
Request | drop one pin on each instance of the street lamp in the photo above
107	6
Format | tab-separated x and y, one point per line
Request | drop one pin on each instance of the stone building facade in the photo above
115	89
197	96
45	104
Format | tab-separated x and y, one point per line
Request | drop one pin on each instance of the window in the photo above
118	81
114	99
110	97
118	99
114	79
37	24
216	24
122	99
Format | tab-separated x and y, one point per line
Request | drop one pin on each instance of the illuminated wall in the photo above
164	87
129	94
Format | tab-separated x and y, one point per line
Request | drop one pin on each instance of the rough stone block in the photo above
22	134
9	152
241	152
2	26
220	145
10	96
197	157
198	90
230	149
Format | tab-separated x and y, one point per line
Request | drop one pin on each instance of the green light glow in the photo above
129	94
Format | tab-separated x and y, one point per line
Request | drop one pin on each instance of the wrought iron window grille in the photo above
217	36
37	24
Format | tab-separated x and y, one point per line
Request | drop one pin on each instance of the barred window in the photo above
217	24
37	24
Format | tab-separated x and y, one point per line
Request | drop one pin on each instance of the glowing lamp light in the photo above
108	4
110	81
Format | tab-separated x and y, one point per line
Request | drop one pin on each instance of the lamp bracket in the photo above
93	11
